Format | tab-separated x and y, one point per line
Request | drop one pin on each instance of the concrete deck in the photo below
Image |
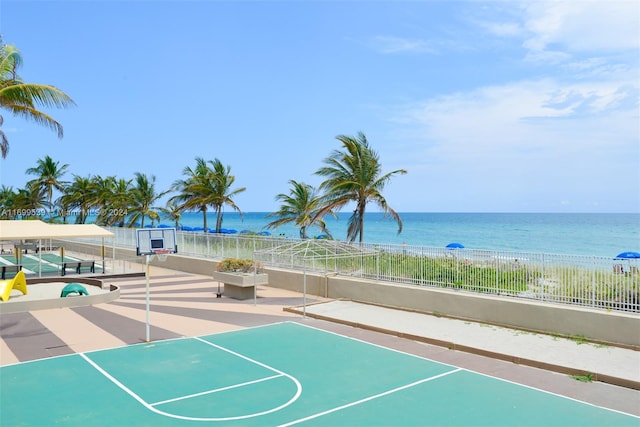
185	304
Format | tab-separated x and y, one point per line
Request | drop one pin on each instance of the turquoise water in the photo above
579	234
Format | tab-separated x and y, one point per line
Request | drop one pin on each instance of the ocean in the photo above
559	233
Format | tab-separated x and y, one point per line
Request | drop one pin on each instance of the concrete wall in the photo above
20	306
598	325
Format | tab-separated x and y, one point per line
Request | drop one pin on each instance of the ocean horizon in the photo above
598	234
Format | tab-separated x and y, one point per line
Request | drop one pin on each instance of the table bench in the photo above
78	265
10	268
30	245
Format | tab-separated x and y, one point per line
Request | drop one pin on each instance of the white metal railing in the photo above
593	281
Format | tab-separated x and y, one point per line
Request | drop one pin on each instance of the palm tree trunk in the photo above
218	219
50	194
361	226
204	218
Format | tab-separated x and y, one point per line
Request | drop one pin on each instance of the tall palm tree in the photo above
223	194
113	198
102	190
299	207
192	188
79	197
48	176
22	98
143	196
355	175
119	200
208	184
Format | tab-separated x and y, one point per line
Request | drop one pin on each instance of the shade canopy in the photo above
36	229
628	255
455	245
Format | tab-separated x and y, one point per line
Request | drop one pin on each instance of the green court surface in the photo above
278	375
51	263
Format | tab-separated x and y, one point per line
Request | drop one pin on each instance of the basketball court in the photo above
280	374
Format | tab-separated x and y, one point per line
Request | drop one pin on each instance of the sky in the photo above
498	106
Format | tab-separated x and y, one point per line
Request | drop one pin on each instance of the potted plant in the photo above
240	276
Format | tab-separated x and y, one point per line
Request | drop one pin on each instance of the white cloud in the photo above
582	26
391	44
503	29
531	142
567	32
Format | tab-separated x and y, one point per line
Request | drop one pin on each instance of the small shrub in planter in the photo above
239	265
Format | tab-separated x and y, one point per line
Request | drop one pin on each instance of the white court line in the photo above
366	399
58	266
7	262
468	370
189	396
44	261
152	408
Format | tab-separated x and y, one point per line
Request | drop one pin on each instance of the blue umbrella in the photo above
628	255
455	245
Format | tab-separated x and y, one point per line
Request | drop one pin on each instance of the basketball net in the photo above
161	254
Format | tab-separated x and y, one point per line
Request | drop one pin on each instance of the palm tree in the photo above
143	196
191	189
223	194
7	200
31	200
21	98
173	212
79	197
118	200
355	175
300	207
208	184
112	199
48	177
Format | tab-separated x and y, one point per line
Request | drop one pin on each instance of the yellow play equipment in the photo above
19	282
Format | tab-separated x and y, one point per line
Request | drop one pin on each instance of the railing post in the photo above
593	282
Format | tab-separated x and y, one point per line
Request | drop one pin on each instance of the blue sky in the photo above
490	106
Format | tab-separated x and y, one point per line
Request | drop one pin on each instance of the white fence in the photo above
593	281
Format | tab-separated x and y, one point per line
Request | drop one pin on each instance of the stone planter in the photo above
240	285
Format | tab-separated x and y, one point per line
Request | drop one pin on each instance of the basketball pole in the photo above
147	280
151	242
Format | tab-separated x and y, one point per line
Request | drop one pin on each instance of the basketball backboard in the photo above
152	240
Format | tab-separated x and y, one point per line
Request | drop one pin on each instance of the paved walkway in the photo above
185	304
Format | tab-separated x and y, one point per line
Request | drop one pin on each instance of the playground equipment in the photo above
19	282
73	288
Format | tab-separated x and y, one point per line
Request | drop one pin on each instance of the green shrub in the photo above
238	265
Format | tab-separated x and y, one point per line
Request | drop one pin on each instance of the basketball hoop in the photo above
161	254
154	243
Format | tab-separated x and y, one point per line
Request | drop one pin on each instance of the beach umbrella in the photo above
628	255
455	245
